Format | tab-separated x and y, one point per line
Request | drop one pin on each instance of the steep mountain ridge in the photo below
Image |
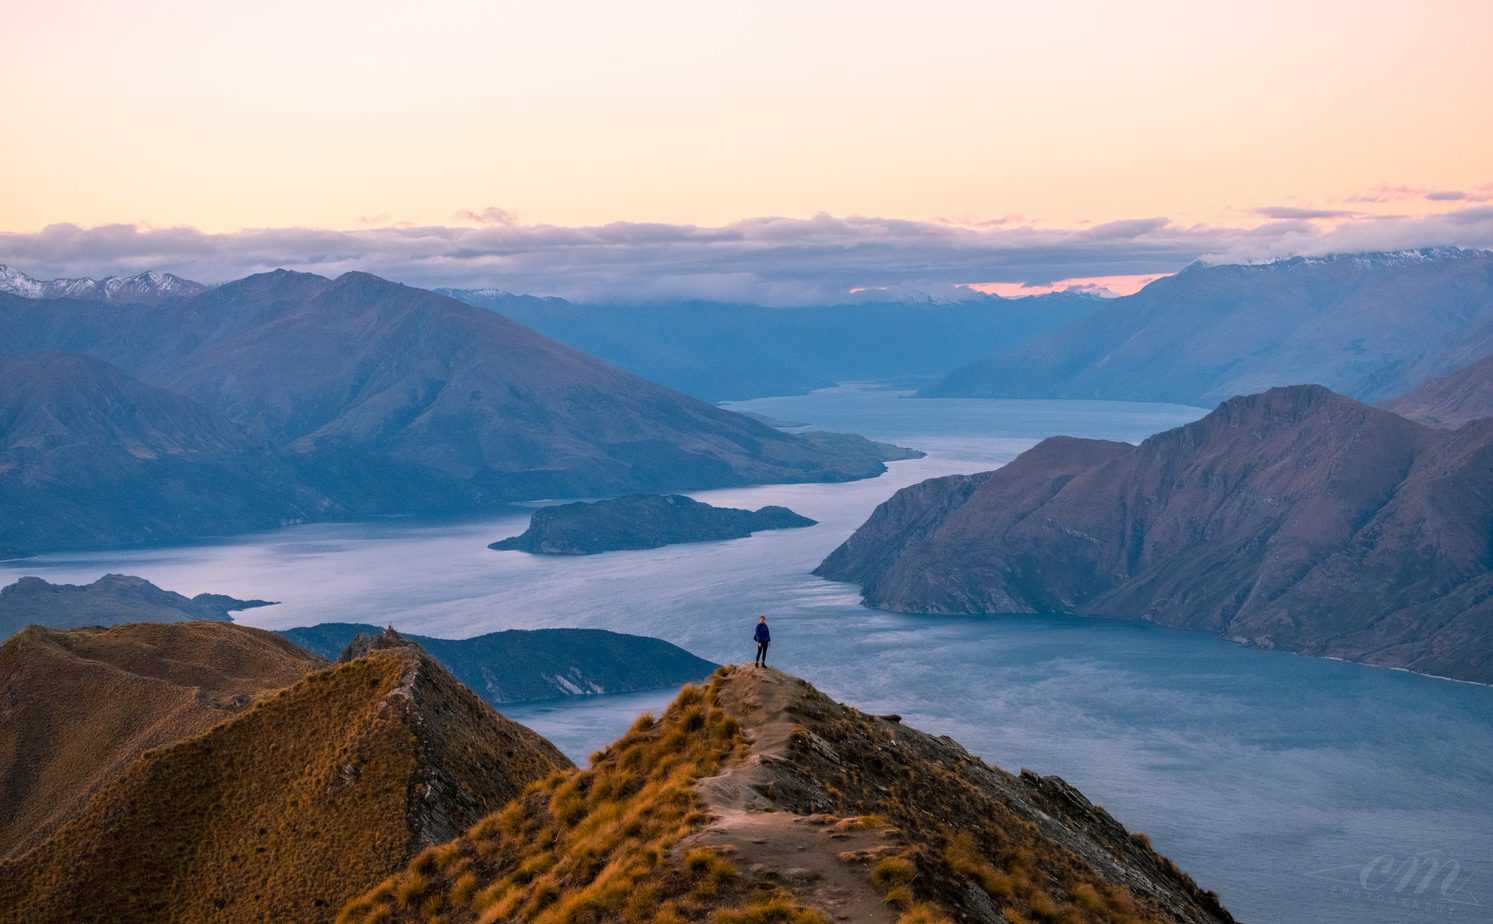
755	798
77	706
1295	519
1369	325
308	797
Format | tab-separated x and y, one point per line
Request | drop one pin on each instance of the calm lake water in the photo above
1302	790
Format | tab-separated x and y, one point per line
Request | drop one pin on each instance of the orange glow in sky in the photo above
350	114
1102	285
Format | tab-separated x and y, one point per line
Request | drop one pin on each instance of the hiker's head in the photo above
762	619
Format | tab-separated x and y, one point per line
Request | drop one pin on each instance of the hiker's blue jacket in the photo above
761	634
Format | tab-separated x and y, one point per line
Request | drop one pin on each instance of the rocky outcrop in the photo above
281	813
525	665
1451	400
641	521
112	600
1295	519
757	798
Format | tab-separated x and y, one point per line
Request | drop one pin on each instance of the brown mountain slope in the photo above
78	706
1295	518
310	796
1452	400
757	799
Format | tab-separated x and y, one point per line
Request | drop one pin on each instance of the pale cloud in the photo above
772	260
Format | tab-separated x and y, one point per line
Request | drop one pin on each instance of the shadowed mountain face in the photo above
1366	325
284	811
755	798
1451	400
382	399
90	456
524	665
641	521
112	600
724	351
1294	519
78	706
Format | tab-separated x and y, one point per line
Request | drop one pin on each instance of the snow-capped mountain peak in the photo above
149	286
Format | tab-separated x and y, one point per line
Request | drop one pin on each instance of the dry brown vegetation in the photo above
960	840
598	845
78	706
309	797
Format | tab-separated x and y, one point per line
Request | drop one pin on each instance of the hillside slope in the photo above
1294	519
91	456
757	799
717	351
393	399
112	600
78	706
1369	325
525	665
305	799
1451	400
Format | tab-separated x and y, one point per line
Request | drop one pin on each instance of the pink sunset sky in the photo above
781	152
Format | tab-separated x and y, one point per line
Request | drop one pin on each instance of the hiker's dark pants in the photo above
761	654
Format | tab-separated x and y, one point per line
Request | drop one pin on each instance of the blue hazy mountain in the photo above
523	665
1368	325
719	351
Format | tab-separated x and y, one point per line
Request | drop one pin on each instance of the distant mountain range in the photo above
1371	326
112	600
1296	519
147	287
1451	400
289	396
524	665
718	351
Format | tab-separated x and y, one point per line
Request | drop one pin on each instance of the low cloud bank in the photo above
783	261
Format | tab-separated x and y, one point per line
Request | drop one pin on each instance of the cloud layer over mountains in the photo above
781	261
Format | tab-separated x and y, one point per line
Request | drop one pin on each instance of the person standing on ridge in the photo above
761	637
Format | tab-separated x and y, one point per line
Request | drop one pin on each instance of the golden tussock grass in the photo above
597	845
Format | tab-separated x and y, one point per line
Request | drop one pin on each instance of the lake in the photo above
1298	788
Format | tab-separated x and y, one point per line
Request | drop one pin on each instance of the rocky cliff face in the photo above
1451	400
756	798
112	600
281	813
1295	519
641	521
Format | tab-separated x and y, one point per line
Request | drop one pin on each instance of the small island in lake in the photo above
641	521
